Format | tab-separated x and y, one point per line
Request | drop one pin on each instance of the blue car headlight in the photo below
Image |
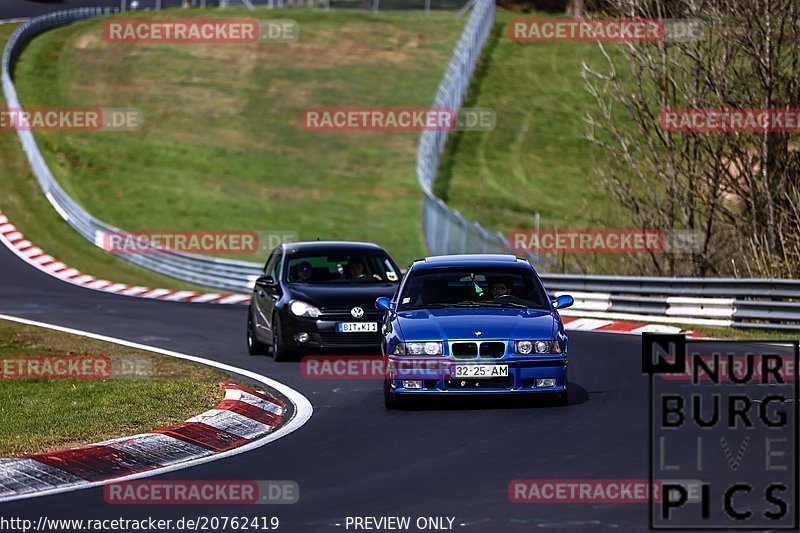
529	347
418	348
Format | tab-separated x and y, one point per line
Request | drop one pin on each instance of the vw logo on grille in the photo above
357	312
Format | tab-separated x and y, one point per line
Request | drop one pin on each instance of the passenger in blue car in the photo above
434	291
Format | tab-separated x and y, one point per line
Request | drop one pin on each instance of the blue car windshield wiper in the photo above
425	306
504	304
489	304
438	305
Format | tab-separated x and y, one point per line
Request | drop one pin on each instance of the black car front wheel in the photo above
280	351
254	346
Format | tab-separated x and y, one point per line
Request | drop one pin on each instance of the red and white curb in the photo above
244	420
599	325
36	257
243	416
613	326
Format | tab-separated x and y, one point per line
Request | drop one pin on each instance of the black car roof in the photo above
329	246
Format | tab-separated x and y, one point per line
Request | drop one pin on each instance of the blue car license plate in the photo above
481	371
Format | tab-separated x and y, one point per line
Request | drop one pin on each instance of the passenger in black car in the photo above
302	272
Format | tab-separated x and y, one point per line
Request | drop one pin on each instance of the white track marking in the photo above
302	408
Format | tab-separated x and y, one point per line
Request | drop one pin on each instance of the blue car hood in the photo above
500	323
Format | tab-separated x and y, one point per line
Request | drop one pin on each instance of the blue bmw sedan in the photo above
473	324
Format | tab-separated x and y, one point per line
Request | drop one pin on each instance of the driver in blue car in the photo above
499	288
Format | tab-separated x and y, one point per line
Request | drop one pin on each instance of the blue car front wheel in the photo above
390	399
563	398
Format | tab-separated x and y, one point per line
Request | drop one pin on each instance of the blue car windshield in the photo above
473	287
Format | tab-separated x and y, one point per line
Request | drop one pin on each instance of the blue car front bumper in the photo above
523	373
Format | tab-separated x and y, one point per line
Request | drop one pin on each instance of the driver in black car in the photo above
355	270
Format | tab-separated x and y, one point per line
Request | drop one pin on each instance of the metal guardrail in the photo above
738	303
221	274
706	287
745	303
231	275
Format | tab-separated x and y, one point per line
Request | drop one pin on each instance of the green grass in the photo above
222	146
24	203
43	415
537	159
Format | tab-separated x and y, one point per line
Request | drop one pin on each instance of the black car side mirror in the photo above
266	282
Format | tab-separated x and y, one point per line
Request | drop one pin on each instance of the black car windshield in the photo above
473	287
341	268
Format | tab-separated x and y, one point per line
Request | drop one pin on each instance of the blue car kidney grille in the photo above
471	350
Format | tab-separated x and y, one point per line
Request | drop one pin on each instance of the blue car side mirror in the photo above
563	301
384	304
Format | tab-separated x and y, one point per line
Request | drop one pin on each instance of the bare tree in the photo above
575	8
740	190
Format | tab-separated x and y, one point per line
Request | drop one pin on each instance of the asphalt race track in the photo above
12	9
354	458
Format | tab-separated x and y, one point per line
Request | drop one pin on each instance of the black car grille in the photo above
343	314
471	350
351	339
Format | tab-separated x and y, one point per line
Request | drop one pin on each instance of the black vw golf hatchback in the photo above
320	296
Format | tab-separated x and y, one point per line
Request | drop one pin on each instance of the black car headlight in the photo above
301	308
418	348
533	347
